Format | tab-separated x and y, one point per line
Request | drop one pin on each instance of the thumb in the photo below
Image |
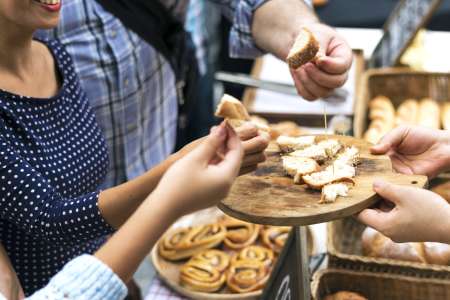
392	139
208	149
391	192
233	157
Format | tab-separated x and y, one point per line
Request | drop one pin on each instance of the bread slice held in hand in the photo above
235	113
305	49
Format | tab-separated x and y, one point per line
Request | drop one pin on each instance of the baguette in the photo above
305	49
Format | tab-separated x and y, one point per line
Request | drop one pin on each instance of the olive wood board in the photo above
268	196
169	271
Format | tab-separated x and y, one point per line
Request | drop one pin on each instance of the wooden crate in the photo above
379	286
345	252
398	84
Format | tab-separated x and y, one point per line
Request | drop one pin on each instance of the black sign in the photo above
400	29
288	279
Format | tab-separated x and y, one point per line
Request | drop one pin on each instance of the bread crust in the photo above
297	58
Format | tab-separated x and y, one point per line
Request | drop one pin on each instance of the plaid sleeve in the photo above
241	13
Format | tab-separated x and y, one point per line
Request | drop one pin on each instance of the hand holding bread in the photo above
315	76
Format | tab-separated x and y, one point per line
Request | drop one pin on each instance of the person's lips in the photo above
50	5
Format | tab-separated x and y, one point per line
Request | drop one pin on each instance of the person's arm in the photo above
9	283
261	26
209	180
409	214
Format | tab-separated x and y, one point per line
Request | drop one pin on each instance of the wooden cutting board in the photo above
268	196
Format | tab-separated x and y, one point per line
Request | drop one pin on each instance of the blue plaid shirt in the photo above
130	86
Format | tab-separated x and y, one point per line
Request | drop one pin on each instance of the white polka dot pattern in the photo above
52	159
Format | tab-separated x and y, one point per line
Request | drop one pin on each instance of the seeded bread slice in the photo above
305	49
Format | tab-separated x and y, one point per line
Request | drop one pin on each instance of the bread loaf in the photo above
382	119
429	114
445	116
407	112
375	244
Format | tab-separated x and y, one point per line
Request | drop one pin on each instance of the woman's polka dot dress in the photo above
52	159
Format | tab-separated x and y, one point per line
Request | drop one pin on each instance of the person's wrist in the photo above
169	202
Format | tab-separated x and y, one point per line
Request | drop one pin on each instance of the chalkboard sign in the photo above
290	279
400	29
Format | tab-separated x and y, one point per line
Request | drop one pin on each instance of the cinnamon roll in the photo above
247	275
258	253
239	234
186	242
275	237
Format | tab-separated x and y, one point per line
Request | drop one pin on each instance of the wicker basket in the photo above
345	251
398	85
376	286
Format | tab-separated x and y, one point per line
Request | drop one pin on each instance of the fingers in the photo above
247	131
232	160
391	140
253	159
212	145
391	192
326	80
312	87
255	145
338	59
373	218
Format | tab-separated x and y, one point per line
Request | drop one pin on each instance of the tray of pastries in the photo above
212	256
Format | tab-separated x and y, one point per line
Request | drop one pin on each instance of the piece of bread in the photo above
330	192
288	144
287	128
231	108
382	118
305	49
429	114
349	156
331	147
407	112
375	244
318	180
297	167
344	295
445	116
314	152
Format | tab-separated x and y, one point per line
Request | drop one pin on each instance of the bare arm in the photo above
9	283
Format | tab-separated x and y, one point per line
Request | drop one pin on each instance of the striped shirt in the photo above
130	86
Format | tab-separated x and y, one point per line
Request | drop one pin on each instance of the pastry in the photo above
297	167
275	237
186	242
344	295
445	116
258	253
235	113
288	144
407	113
239	234
247	275
382	118
330	192
429	114
287	128
305	49
205	271
375	244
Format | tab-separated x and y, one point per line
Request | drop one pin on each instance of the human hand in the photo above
9	283
330	70
409	214
254	144
416	150
204	176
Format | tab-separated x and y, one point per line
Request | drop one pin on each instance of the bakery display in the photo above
344	295
325	165
375	244
304	49
186	242
384	117
240	261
